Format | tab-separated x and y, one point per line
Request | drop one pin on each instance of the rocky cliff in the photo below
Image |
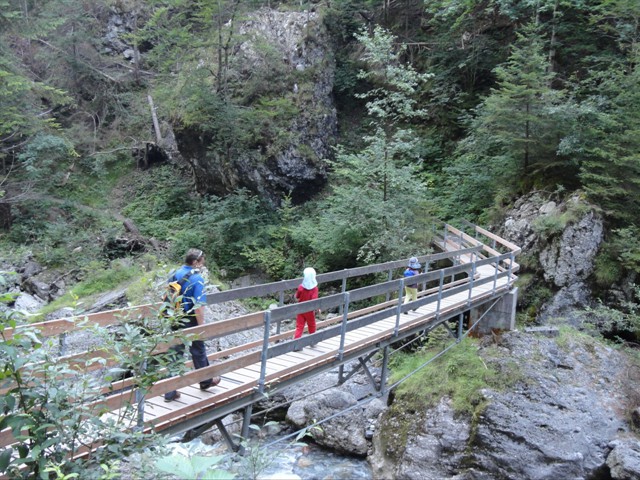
566	417
290	159
559	240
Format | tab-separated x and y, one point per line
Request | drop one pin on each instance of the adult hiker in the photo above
193	301
307	290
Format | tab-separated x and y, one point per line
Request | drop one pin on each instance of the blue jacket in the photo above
410	273
192	291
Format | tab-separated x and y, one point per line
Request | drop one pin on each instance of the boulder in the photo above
437	434
562	261
321	397
28	303
624	459
569	258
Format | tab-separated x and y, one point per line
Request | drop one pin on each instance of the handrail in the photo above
55	327
474	271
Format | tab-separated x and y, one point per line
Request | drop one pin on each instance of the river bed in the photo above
286	461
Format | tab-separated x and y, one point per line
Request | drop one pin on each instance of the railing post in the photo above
246	423
511	260
399	307
385	369
343	327
473	276
426	270
280	304
140	397
344	288
265	348
495	276
445	236
62	342
389	278
440	294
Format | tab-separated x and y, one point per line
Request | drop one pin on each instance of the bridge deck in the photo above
242	383
480	273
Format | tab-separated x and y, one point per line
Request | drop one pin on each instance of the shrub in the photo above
460	374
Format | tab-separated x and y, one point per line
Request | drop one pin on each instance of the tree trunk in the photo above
6	217
154	117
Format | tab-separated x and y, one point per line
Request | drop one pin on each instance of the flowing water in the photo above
287	462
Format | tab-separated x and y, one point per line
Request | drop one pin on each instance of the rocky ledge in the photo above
567	416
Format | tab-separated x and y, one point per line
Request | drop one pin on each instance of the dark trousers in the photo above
198	353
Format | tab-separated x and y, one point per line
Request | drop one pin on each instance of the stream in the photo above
284	461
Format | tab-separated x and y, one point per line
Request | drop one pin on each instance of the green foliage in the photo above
98	280
555	222
610	140
162	202
461	374
278	254
620	253
377	202
226	225
47	157
514	137
50	406
194	467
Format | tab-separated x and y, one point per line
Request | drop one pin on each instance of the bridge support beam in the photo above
362	365
501	317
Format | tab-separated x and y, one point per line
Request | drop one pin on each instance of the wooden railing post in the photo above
471	280
140	397
344	289
280	303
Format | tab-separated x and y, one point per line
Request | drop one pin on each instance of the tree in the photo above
514	137
609	142
376	206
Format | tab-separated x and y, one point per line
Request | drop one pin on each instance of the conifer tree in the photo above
376	204
513	140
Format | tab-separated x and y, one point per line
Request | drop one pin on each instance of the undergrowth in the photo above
460	374
98	280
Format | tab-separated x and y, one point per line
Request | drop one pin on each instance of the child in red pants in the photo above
308	290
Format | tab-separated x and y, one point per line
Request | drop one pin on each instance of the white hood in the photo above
309	280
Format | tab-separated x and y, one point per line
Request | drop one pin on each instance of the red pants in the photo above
310	319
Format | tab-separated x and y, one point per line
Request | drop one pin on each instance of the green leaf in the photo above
202	464
177	465
5	458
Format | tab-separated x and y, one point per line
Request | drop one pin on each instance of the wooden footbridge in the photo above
472	272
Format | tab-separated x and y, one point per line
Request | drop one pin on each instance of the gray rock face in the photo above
346	432
434	452
28	303
294	165
624	459
569	258
565	259
559	421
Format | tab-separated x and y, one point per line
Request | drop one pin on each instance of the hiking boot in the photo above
210	383
171	398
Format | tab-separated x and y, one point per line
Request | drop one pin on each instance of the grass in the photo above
99	280
460	374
